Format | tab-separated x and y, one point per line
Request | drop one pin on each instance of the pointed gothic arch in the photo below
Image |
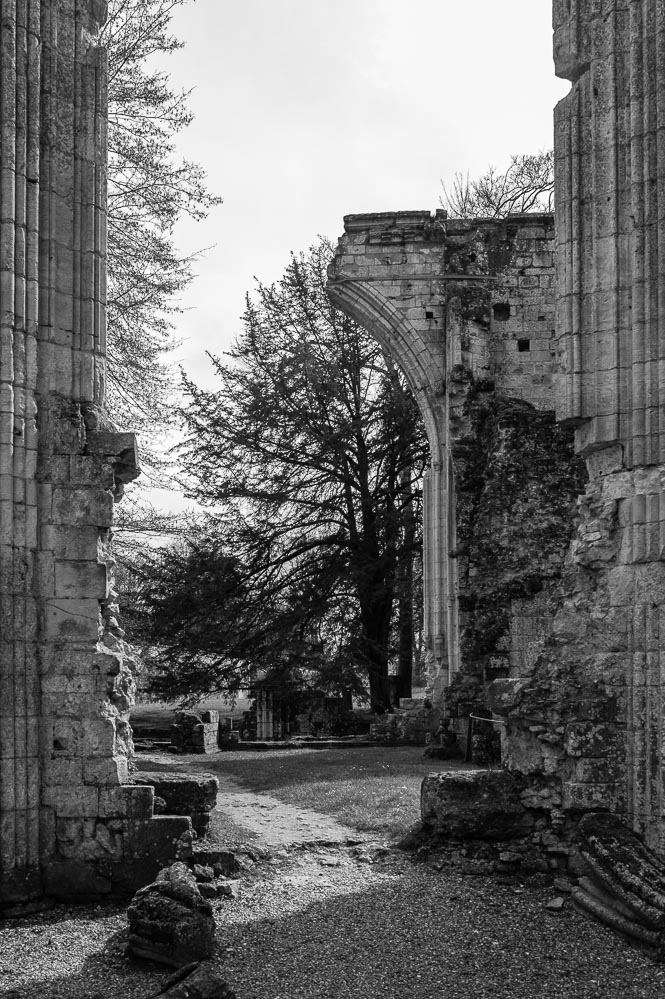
424	369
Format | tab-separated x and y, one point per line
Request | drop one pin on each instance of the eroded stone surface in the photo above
474	804
198	982
170	921
625	882
194	795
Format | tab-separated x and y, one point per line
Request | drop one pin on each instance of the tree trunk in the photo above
375	611
379	689
405	590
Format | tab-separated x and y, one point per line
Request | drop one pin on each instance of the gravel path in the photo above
342	922
345	922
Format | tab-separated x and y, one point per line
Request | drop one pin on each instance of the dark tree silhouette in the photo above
310	456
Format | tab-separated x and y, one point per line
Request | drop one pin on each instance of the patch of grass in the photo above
383	805
372	789
161	715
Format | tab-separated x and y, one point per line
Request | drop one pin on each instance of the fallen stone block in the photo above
474	804
170	921
221	888
221	861
609	915
629	877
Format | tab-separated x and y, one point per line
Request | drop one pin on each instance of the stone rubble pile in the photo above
170	921
195	732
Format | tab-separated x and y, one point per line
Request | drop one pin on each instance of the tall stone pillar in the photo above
66	823
19	293
610	215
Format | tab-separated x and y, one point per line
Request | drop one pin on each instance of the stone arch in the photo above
424	371
371	309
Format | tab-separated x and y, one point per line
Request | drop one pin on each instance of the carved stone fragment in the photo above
169	920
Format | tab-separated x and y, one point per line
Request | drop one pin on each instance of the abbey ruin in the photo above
543	396
534	346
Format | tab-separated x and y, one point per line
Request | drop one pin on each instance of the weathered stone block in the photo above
591	740
83	579
128	801
169	920
77	619
82	507
201	983
184	794
71	801
474	804
70	542
589	797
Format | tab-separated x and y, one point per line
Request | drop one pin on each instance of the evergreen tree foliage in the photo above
309	456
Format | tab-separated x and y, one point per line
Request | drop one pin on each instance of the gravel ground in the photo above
347	922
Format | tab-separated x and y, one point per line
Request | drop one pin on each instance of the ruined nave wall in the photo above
467	309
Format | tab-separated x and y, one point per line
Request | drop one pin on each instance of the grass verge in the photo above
373	789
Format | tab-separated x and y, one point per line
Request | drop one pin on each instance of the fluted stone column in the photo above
610	198
64	688
19	268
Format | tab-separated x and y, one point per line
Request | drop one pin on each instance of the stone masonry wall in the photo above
67	826
610	178
529	634
581	698
582	704
467	310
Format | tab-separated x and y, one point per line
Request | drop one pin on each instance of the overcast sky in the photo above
309	110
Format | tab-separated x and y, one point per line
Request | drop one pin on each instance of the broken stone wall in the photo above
67	825
505	488
515	475
554	592
583	700
607	641
467	310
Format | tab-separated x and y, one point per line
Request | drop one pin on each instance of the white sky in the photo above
309	110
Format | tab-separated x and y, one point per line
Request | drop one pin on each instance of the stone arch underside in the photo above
367	304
